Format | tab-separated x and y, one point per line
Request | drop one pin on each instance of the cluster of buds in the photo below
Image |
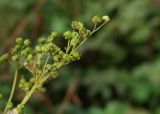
26	85
44	59
22	51
96	19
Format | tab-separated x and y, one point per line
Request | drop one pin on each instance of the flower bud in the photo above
29	57
22	81
70	58
20	85
27	86
28	49
38	48
67	35
43	48
49	47
96	19
19	41
17	47
41	40
54	74
75	54
19	109
24	53
56	58
27	42
65	56
52	37
61	53
106	18
77	25
40	56
32	80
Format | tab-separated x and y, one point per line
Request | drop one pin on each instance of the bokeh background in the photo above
119	71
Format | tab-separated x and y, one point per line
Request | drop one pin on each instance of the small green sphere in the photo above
106	18
41	40
19	41
67	35
96	19
29	57
27	42
56	58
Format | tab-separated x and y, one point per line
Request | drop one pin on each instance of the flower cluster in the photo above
45	58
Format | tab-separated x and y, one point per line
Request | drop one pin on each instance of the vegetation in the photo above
45	59
118	72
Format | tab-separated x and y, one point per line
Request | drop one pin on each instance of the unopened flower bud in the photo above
96	19
29	57
56	58
52	37
74	42
77	25
27	42
41	40
54	74
67	35
75	54
106	18
19	40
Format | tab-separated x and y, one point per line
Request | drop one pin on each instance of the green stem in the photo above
12	90
28	95
68	46
94	30
82	42
46	63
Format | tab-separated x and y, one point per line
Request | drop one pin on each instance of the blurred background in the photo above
119	71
